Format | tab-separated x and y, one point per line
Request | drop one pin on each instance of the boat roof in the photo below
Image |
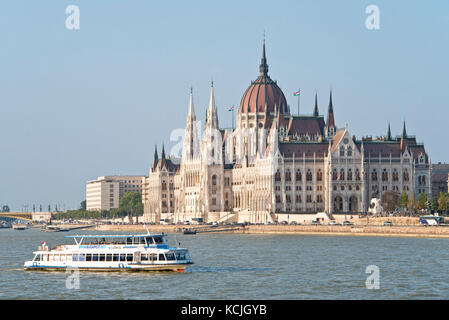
116	235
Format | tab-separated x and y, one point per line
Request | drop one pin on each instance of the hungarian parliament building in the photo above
274	163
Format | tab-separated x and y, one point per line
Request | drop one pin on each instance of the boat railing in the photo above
43	248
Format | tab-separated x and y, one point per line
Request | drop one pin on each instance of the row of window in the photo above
109	257
342	188
319	198
298	175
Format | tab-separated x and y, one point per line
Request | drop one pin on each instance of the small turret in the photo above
315	110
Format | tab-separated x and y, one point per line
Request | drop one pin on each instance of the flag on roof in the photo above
231	108
297	92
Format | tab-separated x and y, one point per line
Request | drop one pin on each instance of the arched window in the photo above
298	175
319	175
349	174
374	175
277	176
349	151
357	174
405	175
342	174
288	175
308	175
334	174
384	175
395	175
214	180
342	151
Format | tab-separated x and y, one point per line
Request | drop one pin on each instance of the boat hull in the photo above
129	268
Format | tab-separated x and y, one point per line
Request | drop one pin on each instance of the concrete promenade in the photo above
402	227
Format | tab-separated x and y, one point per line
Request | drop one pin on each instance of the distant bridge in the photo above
13	216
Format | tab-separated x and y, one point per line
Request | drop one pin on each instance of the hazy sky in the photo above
78	104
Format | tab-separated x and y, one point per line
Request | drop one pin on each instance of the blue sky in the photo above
77	104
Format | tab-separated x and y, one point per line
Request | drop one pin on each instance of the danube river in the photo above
241	266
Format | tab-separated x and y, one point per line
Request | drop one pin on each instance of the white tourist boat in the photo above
131	252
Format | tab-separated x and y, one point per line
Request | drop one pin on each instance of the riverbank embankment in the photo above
403	230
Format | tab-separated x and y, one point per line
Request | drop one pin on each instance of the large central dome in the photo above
263	92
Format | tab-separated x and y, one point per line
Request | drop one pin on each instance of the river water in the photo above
242	266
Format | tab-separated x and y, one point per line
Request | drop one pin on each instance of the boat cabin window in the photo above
109	257
153	256
139	240
82	257
158	240
129	257
161	257
180	256
129	240
37	257
116	257
170	256
95	257
122	257
75	257
144	257
88	257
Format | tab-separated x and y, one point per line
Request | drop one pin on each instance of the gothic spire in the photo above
404	131
331	106
190	143
263	68
212	118
330	123
315	110
191	112
163	153
156	158
389	138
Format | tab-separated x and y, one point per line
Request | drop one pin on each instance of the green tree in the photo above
434	204
131	203
422	201
443	202
83	205
403	200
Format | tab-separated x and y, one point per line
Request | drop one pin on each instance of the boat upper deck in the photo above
127	239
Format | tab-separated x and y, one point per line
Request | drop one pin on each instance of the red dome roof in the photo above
263	91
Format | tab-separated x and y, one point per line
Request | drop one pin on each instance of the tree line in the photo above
130	205
392	201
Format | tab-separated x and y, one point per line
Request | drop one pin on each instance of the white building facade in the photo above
277	163
105	192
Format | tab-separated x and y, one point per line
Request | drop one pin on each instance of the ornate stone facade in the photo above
274	162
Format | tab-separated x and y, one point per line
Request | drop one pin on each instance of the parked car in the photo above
333	223
315	222
347	223
284	222
294	222
388	223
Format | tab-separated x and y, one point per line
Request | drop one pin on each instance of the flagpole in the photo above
232	117
299	95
